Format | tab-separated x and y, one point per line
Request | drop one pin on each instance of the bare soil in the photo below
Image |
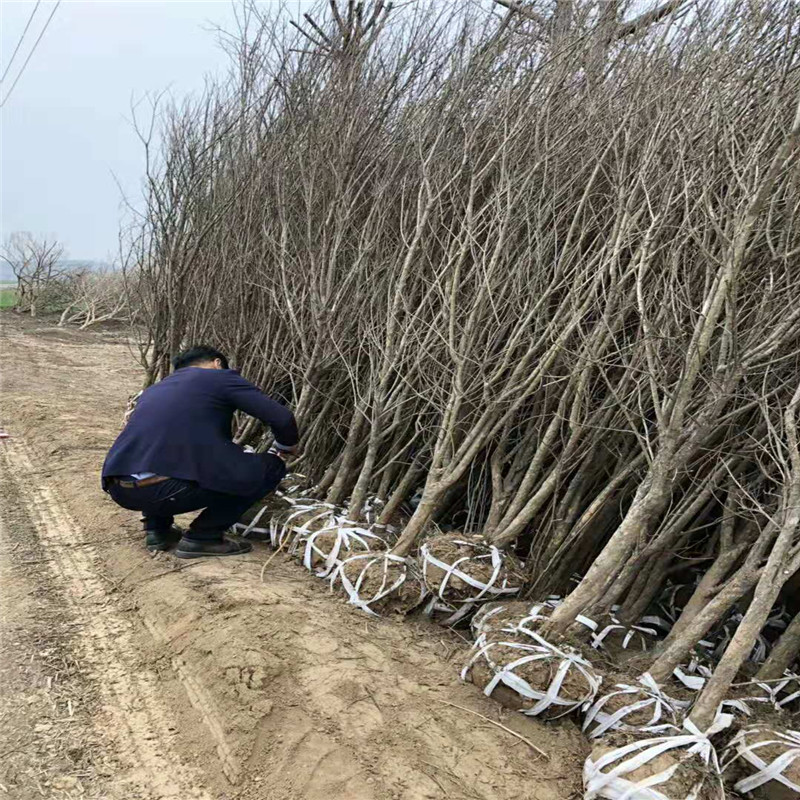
130	676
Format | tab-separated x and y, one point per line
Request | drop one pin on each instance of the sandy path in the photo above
126	716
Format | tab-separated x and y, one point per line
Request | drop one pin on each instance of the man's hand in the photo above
285	454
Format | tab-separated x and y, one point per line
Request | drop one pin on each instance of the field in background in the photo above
8	295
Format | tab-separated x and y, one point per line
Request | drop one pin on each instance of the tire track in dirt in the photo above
135	716
202	702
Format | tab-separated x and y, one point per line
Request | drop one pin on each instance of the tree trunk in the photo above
783	654
592	519
422	515
677	645
247	432
644	589
321	488
774	575
412	475
740	646
526	486
64	314
713	577
361	489
336	494
651	497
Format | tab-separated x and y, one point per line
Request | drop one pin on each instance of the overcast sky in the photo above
66	137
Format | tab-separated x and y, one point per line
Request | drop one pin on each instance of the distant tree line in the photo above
49	283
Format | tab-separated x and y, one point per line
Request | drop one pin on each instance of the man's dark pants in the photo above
160	502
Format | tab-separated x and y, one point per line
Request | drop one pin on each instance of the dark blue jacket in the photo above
181	427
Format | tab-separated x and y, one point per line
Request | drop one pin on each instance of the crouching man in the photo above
176	454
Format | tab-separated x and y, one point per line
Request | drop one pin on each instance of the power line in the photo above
33	50
19	43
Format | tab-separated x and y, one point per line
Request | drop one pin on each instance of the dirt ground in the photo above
125	675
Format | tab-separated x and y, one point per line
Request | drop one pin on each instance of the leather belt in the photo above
139	484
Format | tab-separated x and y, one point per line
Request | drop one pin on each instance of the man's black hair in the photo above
197	355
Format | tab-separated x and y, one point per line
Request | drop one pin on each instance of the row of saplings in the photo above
645	748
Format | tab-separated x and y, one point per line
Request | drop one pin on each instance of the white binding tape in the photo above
484	590
662	717
766	771
540	651
622	761
346	538
386	587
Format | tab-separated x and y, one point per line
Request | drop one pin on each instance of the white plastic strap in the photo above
386	587
279	532
537	613
779	693
653	620
484	614
536	652
345	539
613	784
252	525
630	632
653	699
788	741
737	705
694	682
450	570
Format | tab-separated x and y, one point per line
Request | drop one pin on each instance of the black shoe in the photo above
158	541
196	548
